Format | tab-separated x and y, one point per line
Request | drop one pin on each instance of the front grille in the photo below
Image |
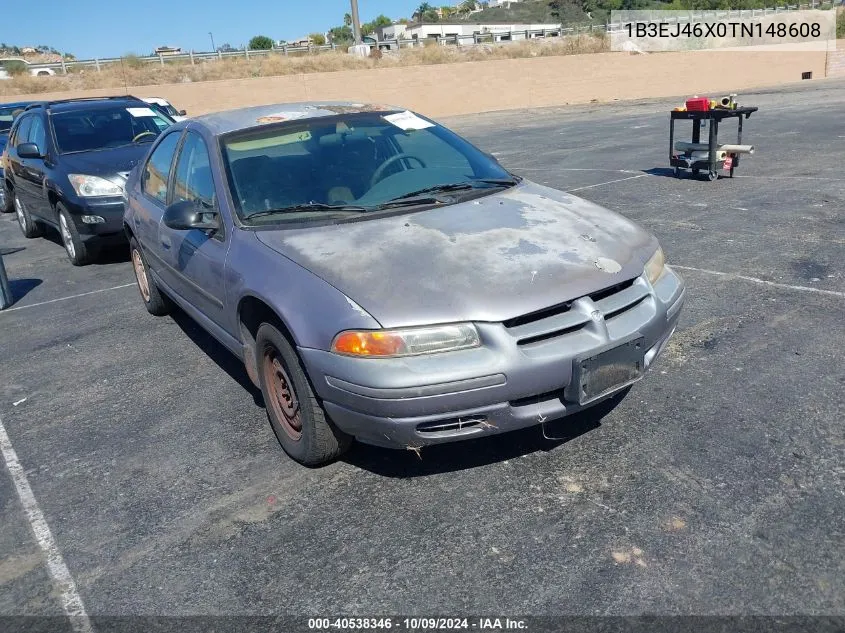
561	320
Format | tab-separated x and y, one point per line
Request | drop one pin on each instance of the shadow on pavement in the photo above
216	352
20	287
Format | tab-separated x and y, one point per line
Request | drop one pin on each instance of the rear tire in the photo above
29	227
154	300
9	201
296	415
78	252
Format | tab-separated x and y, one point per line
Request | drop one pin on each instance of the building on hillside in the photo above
466	33
492	4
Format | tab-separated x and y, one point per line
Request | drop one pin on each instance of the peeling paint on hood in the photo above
488	259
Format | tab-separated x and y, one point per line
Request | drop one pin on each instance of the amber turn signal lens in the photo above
408	341
368	344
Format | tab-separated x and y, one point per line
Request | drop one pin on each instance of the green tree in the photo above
347	19
318	39
341	35
260	43
425	12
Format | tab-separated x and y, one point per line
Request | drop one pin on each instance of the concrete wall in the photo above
470	87
836	63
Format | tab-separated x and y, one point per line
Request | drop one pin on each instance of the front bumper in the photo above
110	209
519	377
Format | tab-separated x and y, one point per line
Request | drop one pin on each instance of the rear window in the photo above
107	128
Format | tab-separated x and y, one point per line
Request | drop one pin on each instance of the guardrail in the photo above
457	40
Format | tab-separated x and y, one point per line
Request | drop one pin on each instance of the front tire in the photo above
78	252
154	301
29	227
296	415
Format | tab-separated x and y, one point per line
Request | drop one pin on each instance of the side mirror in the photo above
183	113
188	215
28	150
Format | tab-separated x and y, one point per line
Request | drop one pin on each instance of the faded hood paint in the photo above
490	259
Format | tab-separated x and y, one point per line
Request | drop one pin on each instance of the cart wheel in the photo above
677	172
713	175
732	172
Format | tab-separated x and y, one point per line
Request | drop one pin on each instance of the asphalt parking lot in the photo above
716	487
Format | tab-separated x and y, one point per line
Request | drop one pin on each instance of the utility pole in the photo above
213	48
356	22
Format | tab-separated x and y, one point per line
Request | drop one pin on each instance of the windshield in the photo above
106	128
352	164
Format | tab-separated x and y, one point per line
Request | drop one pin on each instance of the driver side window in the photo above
156	172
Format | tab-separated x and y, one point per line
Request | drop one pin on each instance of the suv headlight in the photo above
655	266
406	341
92	186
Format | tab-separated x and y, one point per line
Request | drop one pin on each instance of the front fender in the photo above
313	310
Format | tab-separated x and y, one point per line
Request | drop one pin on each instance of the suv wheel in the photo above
29	227
296	415
77	251
154	301
8	200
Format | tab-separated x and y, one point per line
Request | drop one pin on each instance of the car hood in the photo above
106	163
488	259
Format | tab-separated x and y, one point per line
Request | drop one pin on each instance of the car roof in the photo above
17	104
71	105
244	118
158	100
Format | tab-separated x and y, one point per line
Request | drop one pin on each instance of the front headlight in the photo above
92	186
655	266
406	341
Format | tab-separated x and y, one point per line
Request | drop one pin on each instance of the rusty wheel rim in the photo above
282	395
141	276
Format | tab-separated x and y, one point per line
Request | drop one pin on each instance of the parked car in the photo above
165	106
8	112
66	166
383	279
6	63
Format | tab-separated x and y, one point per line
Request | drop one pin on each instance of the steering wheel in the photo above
380	171
141	135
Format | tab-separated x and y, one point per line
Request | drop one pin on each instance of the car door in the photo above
148	198
195	258
20	166
39	204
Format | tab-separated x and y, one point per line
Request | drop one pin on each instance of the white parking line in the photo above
764	282
82	294
62	580
609	182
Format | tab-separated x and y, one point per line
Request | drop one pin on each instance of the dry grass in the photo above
134	74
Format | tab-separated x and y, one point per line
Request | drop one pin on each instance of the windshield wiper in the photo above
308	206
457	186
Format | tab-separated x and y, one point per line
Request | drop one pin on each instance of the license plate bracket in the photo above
600	374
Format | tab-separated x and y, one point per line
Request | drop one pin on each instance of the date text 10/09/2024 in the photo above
417	624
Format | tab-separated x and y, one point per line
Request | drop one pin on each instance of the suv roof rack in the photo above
56	101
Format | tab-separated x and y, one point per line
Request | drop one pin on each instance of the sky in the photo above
110	28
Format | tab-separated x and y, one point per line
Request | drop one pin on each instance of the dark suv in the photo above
8	112
66	164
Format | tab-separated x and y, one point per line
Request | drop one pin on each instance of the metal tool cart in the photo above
691	158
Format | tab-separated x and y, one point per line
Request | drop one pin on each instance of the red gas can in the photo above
698	104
